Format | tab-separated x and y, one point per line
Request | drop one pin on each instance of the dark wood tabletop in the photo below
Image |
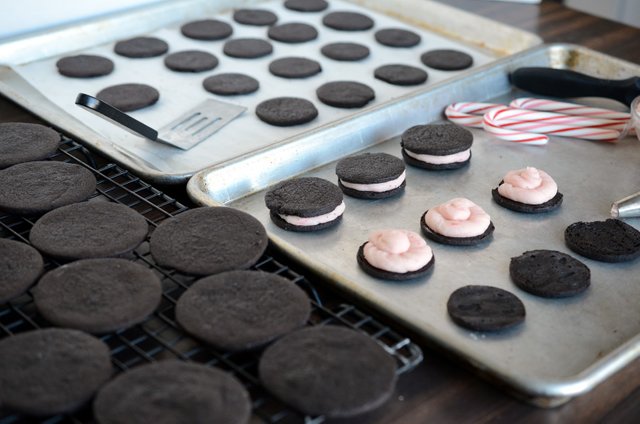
442	390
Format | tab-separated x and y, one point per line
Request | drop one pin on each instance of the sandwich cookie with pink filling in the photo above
395	255
528	190
458	222
371	175
437	146
305	204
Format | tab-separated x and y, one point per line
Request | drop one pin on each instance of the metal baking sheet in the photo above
32	79
565	347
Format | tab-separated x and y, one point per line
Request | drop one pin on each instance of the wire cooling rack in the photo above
160	337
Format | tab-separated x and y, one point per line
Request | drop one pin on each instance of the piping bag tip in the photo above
628	207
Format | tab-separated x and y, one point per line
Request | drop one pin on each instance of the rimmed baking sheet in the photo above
565	347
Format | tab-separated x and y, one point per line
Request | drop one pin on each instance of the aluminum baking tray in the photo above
565	347
30	77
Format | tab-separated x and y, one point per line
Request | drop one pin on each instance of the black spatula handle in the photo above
565	83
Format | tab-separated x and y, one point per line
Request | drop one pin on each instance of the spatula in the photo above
189	129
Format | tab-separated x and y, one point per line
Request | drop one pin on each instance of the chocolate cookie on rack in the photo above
23	142
20	267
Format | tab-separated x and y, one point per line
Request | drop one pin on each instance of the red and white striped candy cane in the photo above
545	105
469	114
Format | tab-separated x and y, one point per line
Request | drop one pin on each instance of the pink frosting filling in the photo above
441	160
529	185
378	187
397	251
458	217
314	220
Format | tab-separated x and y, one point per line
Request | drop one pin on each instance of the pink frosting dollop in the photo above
529	185
458	217
397	251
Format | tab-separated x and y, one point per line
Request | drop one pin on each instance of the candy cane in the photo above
545	105
469	114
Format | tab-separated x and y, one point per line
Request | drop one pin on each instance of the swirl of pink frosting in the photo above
397	251
529	185
458	217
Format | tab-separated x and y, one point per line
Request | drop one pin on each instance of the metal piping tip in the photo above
629	207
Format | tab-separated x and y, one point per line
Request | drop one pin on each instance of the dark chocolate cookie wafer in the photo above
345	52
286	111
294	67
549	273
129	97
33	188
141	47
392	276
206	241
84	66
345	94
397	74
447	60
306	5
371	175
347	21
207	29
51	371
191	61
247	48
294	32
22	142
554	203
249	309
88	230
230	84
397	37
485	308
20	267
455	241
98	295
255	17
305	197
357	375
607	241
173	392
440	140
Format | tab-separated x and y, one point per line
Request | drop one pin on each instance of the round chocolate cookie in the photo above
172	391
607	241
98	295
554	203
255	17
396	37
304	197
368	175
22	142
207	29
345	94
294	32
306	5
33	188
447	60
485	308
141	47
440	139
191	61
286	111
207	241
383	274
549	273
249	309
129	97
84	66
397	74
20	267
455	241
358	375
51	371
247	48
294	67
88	230
347	21
345	52
230	84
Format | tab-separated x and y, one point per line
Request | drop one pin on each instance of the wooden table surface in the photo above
441	390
